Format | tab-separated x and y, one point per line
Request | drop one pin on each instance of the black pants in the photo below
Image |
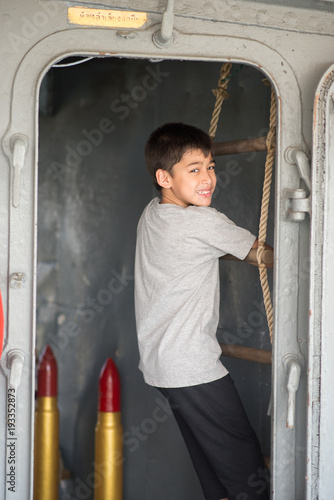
222	444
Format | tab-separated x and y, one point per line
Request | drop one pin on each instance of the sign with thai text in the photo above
106	18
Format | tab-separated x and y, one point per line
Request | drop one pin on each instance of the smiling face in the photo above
192	181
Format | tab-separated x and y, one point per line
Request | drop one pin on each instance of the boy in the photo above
179	242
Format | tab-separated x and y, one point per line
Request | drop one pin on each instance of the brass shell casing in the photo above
46	449
108	457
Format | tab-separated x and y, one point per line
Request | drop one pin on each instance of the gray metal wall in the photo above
92	189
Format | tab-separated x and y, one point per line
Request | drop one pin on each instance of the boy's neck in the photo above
167	197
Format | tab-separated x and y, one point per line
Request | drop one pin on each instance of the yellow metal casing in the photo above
46	450
108	457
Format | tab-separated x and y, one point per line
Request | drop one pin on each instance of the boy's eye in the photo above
210	167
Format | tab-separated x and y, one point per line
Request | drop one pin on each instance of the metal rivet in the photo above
17	280
126	34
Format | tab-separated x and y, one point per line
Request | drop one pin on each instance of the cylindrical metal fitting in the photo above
108	456
46	451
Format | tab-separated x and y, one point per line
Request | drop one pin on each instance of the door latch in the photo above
291	365
15	362
19	146
298	201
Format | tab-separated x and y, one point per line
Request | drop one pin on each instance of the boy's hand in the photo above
267	255
267	258
251	258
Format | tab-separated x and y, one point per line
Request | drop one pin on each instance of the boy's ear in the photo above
163	178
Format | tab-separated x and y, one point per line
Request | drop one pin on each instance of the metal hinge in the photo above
298	204
298	201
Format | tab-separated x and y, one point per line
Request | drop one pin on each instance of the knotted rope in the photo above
220	94
268	172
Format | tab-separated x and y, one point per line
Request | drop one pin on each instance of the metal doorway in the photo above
93	186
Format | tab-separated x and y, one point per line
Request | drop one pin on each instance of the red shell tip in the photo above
109	388
47	373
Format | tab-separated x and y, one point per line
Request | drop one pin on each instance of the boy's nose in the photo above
206	177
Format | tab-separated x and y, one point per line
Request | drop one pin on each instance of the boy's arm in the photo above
251	257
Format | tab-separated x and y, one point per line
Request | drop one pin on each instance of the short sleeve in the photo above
222	234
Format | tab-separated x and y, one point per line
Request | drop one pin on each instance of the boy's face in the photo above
193	181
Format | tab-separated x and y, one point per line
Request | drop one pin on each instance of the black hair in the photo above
167	144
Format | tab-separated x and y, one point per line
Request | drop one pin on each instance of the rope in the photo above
268	171
220	94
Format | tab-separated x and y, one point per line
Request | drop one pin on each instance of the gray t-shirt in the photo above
177	291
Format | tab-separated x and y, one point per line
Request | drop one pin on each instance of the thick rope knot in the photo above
259	254
220	94
271	141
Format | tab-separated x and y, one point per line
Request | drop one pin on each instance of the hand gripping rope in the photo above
221	94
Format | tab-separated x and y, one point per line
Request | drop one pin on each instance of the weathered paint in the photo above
320	433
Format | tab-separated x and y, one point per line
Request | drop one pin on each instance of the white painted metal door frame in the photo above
23	219
320	442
